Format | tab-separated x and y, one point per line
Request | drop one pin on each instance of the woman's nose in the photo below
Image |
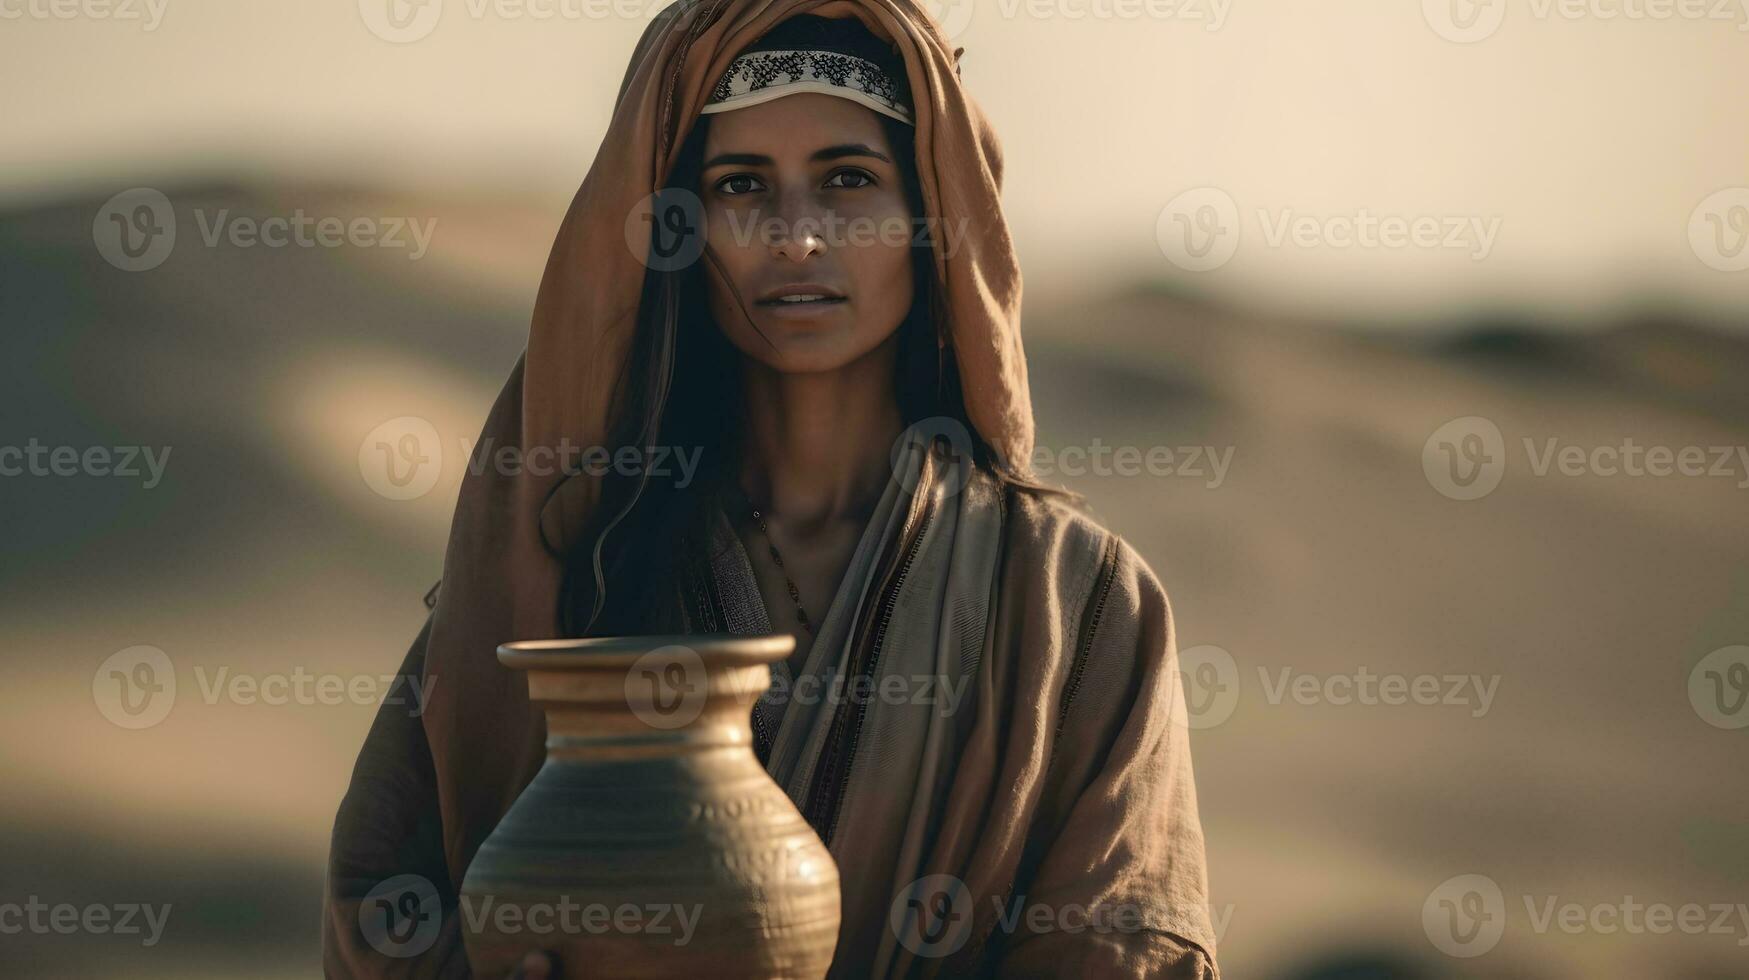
799	232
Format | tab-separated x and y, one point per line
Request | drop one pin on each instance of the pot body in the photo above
652	843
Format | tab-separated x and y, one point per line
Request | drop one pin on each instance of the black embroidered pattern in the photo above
762	69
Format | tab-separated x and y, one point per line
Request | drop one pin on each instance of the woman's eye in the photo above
736	184
857	175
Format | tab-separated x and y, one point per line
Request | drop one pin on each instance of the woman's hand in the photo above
536	966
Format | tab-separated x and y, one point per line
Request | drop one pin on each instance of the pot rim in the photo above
715	649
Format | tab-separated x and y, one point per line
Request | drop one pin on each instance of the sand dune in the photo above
1321	549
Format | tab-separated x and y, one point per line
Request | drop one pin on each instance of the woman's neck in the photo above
817	447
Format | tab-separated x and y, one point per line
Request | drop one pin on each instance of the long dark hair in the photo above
680	388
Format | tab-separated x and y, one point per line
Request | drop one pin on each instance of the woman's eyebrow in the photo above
829	153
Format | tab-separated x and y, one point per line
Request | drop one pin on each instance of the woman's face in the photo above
802	196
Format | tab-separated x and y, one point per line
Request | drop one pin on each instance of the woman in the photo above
822	304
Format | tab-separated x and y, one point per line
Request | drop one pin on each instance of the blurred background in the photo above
1440	311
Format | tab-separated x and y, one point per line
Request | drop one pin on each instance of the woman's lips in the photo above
803	309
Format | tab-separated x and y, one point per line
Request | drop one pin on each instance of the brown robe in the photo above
1065	786
1063	781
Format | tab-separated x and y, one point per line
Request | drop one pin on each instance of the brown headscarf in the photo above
501	576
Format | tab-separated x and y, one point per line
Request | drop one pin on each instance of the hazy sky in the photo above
1354	155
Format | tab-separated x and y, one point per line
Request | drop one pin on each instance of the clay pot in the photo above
651	843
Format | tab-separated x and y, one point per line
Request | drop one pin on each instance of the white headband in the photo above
760	76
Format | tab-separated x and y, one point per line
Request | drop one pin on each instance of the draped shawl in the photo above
1058	781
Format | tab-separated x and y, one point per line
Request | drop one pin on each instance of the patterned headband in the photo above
760	76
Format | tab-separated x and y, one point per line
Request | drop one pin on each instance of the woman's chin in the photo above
810	345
